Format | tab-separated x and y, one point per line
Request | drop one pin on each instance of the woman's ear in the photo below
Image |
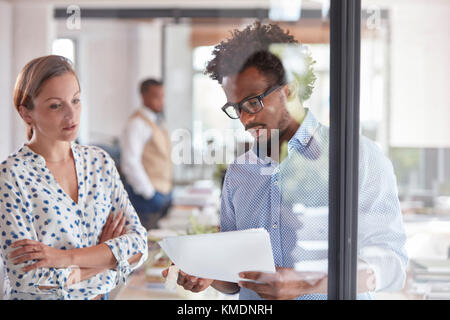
25	114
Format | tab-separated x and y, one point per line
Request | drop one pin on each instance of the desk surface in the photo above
140	288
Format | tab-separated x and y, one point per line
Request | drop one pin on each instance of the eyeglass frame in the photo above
241	107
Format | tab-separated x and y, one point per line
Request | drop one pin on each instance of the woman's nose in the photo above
69	111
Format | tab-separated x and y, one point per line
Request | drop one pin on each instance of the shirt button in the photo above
275	226
275	183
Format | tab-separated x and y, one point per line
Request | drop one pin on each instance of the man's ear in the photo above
25	115
291	90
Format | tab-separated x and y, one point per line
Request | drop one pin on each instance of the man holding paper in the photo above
281	184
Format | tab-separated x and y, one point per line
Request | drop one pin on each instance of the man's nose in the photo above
246	117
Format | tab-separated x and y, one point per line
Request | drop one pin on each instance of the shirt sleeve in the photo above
134	138
135	239
227	213
381	235
16	224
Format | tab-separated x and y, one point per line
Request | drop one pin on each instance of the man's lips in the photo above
255	126
256	130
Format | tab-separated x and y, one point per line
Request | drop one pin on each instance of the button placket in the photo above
275	216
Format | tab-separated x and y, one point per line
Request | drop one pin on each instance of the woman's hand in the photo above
47	257
114	227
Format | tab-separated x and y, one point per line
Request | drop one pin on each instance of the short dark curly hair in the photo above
247	48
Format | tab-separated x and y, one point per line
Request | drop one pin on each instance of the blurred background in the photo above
114	45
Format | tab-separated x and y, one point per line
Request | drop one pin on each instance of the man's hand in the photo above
189	282
114	227
284	284
47	257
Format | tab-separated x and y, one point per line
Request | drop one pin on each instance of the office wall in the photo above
112	58
178	76
26	32
5	78
420	67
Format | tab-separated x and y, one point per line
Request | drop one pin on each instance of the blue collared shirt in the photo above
290	200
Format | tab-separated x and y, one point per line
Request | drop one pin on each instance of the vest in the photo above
156	156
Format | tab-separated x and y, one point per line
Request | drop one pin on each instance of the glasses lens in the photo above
232	112
252	105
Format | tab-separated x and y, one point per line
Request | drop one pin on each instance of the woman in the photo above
58	238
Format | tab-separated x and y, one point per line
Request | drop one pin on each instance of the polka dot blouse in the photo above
34	206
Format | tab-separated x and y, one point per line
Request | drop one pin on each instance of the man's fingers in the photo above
190	282
257	287
252	275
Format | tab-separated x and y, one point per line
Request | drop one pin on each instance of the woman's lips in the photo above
70	128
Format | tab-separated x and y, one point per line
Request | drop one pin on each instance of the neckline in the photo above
53	182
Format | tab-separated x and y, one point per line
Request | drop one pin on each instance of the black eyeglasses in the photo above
250	105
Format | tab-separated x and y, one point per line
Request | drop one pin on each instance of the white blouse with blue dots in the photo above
34	206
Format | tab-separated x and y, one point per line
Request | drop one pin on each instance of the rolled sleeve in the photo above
134	241
26	285
382	238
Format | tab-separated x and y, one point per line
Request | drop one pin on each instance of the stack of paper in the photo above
221	256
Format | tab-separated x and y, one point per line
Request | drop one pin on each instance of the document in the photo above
223	255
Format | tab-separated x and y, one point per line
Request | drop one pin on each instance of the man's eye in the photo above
252	103
55	106
76	101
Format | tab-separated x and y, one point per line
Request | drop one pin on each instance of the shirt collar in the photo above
301	137
150	114
305	132
29	154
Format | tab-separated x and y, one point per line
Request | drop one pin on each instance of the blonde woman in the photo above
68	230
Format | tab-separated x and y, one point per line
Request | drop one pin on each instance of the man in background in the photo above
145	156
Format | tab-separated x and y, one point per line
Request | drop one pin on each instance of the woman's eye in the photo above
55	106
76	101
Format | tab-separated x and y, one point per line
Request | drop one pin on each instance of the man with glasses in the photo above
288	194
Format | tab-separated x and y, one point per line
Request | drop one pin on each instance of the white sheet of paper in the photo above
221	256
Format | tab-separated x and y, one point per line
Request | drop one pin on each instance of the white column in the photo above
33	33
149	50
178	77
6	106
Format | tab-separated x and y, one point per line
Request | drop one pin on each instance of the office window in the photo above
65	48
404	108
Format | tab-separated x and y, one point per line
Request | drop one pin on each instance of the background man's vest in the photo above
156	156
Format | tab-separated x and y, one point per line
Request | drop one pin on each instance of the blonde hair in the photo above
33	76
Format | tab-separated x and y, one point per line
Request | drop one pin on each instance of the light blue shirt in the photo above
290	200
